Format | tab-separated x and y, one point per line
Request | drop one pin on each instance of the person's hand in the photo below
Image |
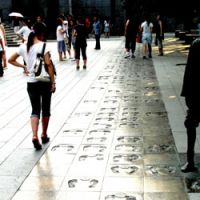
53	87
25	70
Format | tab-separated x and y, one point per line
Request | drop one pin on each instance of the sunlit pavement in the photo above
116	130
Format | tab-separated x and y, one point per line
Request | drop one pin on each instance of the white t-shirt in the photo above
65	27
24	31
59	35
21	51
31	59
146	28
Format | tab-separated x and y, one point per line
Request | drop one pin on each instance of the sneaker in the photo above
77	67
127	55
73	59
133	56
84	67
187	167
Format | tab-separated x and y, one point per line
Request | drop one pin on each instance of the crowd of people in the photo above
143	30
71	36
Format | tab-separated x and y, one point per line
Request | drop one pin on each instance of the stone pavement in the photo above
116	130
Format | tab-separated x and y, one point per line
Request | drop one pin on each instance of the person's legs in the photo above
60	50
150	50
34	95
145	48
1	66
83	51
4	60
191	123
46	106
98	46
133	45
127	47
160	47
34	126
77	56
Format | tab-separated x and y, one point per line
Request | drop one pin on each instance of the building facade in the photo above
51	9
174	11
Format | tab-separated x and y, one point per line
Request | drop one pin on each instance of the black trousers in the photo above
1	66
191	123
80	49
130	43
40	97
97	38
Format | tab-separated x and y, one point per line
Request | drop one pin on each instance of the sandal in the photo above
45	139
37	144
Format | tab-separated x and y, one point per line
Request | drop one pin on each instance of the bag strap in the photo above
43	49
42	55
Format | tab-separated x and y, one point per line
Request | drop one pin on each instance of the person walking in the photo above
40	93
190	88
60	31
158	27
97	32
1	56
80	43
71	25
106	29
130	32
147	28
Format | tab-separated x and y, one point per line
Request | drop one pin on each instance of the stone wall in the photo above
5	9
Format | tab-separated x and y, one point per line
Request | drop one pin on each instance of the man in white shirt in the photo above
60	39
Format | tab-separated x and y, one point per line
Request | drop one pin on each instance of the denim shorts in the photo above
61	46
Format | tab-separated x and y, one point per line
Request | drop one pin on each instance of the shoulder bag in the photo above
41	69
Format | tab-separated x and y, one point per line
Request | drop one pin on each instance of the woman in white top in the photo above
24	32
147	28
39	92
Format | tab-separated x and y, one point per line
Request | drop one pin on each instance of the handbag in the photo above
139	37
41	69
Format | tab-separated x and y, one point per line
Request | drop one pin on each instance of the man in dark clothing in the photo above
130	32
158	28
191	83
97	32
80	42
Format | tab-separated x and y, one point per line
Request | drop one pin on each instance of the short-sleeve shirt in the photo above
97	28
21	51
24	31
31	59
146	27
59	35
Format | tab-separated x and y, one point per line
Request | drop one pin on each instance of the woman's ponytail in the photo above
39	31
30	40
